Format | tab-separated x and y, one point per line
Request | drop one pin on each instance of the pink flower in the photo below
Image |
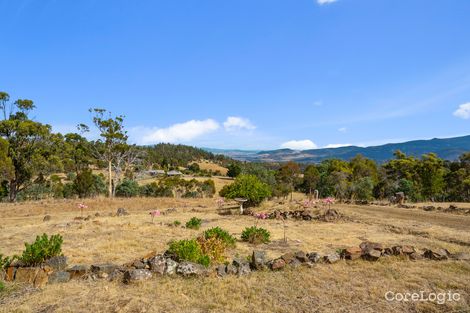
261	216
329	200
155	213
82	206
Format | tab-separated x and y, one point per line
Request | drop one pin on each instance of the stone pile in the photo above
56	269
329	215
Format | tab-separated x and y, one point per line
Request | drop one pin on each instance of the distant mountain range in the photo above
447	148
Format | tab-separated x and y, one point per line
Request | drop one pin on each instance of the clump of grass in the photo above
176	223
194	223
189	250
2	286
221	234
256	235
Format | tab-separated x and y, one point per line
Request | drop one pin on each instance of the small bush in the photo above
249	187
177	223
255	235
6	261
188	250
221	234
128	188
194	223
42	249
213	247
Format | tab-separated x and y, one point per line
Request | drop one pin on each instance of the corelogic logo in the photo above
422	296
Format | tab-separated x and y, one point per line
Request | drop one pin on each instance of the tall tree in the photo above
288	174
113	142
28	143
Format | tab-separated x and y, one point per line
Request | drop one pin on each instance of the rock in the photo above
295	263
243	267
121	212
415	256
461	256
258	260
367	245
136	275
106	268
277	264
221	270
58	263
437	255
352	253
332	258
331	215
158	264
46	218
314	257
372	255
138	264
59	277
301	256
171	266
407	249
78	271
116	275
97	214
231	269
288	257
10	273
32	275
188	269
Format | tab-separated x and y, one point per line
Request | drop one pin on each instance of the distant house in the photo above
174	173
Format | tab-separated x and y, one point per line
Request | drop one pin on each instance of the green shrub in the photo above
255	235
248	187
42	249
194	223
188	250
6	261
128	188
2	286
219	233
156	190
177	223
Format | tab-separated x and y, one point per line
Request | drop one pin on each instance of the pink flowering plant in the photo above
82	206
220	202
262	216
308	203
154	213
329	201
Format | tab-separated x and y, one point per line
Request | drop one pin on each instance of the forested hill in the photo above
448	149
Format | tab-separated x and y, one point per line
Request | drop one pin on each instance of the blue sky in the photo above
248	74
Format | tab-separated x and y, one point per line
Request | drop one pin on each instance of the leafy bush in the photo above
128	188
192	194
213	247
255	235
194	223
42	249
249	187
219	233
177	223
6	261
188	250
155	190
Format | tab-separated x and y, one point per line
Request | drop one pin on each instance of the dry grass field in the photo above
356	286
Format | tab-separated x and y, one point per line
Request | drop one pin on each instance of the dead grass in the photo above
344	287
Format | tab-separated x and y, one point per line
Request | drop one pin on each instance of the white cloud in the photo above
237	123
321	2
338	145
299	145
463	111
342	129
178	132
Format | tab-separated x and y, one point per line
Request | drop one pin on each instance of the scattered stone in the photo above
438	254
415	256
243	267
258	260
136	275
106	268
78	271
10	273
171	266
59	277
301	256
278	264
295	263
138	264
372	255
367	245
188	269
231	269
222	270
288	257
352	253
121	212
314	257
58	263
158	264
46	218
32	275
332	258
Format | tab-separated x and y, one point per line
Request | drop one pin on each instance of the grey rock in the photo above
78	271
171	266
231	269
372	255
107	268
158	264
437	254
58	263
301	256
121	212
221	270
136	275
332	258
314	257
367	245
46	218
288	257
277	264
138	264
415	256
188	269
258	260
461	256
59	277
